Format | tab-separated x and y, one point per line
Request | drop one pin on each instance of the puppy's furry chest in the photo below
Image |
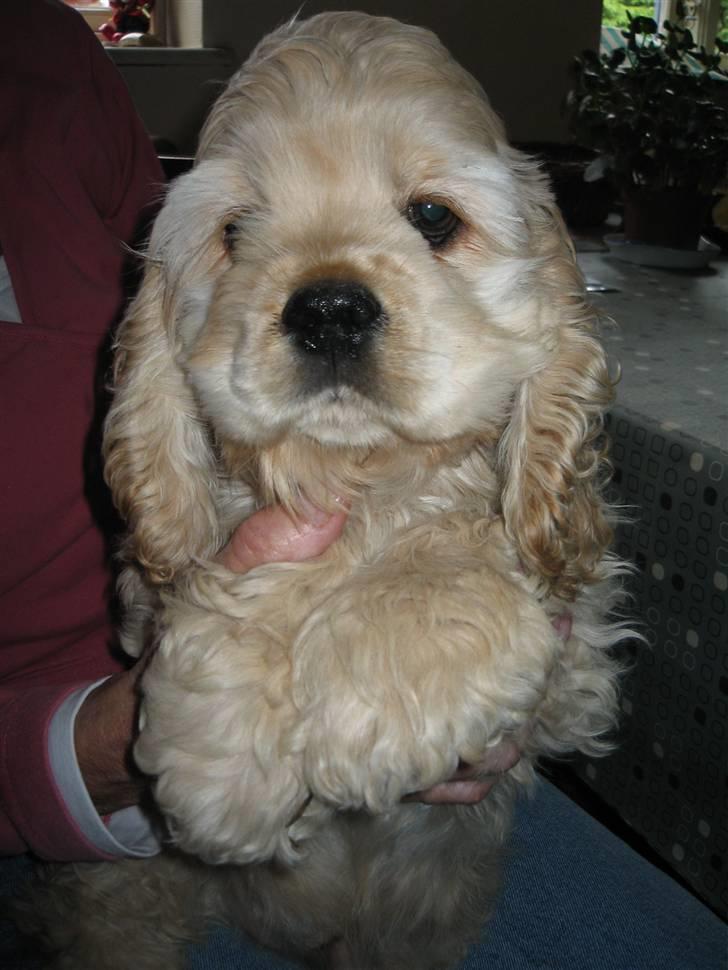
388	530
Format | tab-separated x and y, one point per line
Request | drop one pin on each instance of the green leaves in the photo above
656	107
640	25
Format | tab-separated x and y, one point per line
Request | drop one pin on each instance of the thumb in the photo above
271	535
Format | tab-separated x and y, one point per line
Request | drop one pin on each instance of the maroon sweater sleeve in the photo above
78	171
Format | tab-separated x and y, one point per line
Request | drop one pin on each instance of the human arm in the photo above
78	171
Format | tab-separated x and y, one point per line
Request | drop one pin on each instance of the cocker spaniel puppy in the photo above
359	293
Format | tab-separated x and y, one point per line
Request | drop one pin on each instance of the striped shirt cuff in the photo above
127	833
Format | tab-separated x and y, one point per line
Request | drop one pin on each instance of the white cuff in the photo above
9	311
128	832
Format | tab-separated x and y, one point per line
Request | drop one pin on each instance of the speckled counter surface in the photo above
669	434
671	340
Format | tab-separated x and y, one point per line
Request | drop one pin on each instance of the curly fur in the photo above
287	712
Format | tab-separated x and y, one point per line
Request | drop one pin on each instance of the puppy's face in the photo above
355	258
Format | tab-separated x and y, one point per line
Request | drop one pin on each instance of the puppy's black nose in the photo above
333	318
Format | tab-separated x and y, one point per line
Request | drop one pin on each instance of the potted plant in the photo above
656	112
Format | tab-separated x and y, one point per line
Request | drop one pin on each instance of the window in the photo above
615	13
710	17
705	19
98	12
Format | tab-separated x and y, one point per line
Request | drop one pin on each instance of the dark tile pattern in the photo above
668	778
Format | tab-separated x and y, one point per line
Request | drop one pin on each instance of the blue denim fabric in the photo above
575	898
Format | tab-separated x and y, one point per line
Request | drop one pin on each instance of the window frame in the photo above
96	13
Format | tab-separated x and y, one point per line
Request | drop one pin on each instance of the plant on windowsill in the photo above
656	112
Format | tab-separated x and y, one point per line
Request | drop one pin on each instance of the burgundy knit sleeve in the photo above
79	174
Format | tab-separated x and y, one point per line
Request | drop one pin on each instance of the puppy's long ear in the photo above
550	455
159	463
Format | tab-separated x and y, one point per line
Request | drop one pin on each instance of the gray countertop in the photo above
671	340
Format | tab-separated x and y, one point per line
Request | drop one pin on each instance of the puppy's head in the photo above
357	261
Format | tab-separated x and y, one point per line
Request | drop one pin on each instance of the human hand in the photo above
106	721
103	733
270	535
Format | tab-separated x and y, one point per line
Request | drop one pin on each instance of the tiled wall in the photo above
668	777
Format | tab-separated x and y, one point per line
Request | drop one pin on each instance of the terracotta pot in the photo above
669	217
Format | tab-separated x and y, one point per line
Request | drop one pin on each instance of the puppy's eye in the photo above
434	221
229	234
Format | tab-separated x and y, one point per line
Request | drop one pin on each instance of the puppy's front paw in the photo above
381	714
362	755
399	678
216	720
224	812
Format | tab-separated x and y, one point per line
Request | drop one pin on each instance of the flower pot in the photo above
666	217
584	205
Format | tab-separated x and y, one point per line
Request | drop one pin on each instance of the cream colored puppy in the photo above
360	293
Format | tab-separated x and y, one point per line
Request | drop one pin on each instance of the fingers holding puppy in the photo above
271	535
471	783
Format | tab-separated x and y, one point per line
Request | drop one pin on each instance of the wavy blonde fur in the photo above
288	711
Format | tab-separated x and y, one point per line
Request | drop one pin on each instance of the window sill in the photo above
169	56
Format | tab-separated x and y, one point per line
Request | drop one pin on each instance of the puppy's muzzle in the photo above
333	323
